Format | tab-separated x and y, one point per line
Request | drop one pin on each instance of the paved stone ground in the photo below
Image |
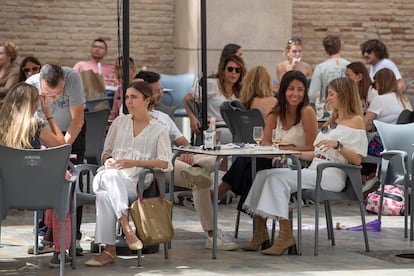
189	257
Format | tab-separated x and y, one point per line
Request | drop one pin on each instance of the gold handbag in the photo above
152	218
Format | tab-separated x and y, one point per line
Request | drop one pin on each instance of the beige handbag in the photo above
93	85
152	218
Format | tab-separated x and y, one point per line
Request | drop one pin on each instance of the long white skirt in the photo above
270	193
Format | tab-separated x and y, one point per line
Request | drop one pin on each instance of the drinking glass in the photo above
258	135
319	107
276	138
328	109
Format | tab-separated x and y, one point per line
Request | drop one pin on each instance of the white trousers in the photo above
270	193
112	190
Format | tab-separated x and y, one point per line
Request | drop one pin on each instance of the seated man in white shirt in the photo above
187	165
375	53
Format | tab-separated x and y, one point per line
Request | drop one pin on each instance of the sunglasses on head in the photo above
236	69
295	41
33	69
325	129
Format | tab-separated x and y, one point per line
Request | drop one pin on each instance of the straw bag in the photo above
152	218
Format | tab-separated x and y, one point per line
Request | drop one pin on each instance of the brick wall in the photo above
356	21
62	31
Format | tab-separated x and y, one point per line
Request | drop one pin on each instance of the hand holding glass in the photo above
258	134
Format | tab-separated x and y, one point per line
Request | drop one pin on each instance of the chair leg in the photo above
73	236
272	238
406	198
236	230
364	226
412	215
329	222
316	241
165	250
36	233
139	260
62	247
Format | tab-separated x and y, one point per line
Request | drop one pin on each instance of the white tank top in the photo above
294	135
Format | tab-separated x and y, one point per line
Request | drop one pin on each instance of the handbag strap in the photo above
157	184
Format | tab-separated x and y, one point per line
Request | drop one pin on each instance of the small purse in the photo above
152	218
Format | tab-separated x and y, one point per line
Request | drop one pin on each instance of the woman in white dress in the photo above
134	141
341	140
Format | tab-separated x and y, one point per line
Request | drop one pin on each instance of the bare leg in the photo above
223	188
133	242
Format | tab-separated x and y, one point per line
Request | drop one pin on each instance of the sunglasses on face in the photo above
374	84
33	69
157	91
325	129
369	51
236	69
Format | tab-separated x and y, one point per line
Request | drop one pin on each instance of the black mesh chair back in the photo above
241	121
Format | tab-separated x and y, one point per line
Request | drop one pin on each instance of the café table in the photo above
243	151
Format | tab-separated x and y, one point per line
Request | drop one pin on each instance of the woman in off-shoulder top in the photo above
342	140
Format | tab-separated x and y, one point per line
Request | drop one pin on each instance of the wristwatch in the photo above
339	146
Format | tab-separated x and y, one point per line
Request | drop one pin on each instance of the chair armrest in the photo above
353	172
159	174
388	154
78	169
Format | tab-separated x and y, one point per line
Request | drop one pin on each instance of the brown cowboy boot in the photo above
284	241
260	237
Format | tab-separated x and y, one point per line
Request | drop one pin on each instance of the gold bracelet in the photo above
48	118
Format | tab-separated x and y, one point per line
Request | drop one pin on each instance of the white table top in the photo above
245	151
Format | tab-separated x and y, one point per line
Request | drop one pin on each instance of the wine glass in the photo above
320	112
276	138
328	108
258	135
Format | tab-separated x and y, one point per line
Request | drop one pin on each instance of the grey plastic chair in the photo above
34	179
96	123
397	164
83	198
351	192
180	86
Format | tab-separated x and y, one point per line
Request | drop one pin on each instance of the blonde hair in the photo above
256	83
348	98
293	41
18	124
10	49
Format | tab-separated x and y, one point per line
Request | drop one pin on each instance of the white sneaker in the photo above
224	243
197	176
369	183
